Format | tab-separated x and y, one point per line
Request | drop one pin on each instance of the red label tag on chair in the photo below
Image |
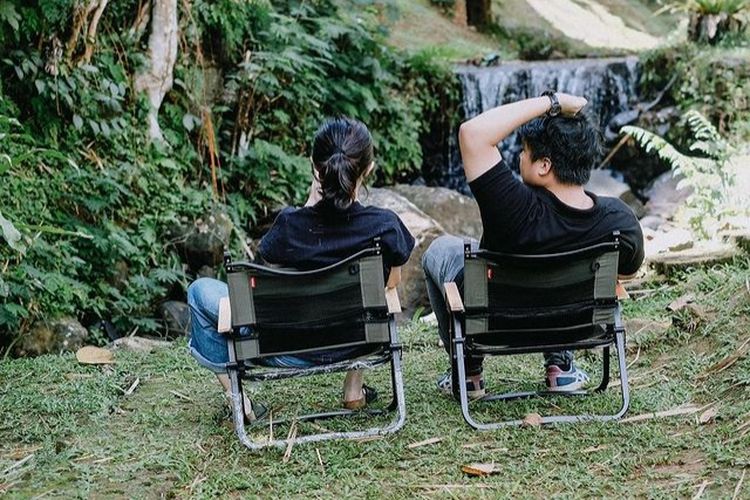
489	273
252	281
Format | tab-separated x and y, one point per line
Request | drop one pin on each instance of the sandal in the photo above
369	395
258	411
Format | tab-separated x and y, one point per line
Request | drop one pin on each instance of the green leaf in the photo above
12	235
77	121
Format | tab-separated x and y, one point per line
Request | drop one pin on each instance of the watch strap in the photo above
555	108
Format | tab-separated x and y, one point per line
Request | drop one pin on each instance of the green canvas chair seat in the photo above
274	311
514	304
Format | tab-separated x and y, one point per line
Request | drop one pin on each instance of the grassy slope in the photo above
422	26
171	436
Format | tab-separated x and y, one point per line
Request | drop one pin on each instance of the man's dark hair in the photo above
572	144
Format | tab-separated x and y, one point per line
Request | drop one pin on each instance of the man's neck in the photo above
571	195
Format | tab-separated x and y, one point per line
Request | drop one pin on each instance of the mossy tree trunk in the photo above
157	78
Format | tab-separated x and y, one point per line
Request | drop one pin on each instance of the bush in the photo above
87	204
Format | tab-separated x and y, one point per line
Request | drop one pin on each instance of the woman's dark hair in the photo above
572	143
341	154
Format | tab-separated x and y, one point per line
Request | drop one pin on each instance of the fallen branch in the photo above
683	410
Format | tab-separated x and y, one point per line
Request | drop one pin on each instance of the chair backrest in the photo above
292	312
517	300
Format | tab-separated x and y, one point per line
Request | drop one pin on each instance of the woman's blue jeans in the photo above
206	344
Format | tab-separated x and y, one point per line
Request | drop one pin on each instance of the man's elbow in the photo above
465	133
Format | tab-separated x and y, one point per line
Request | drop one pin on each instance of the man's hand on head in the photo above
570	105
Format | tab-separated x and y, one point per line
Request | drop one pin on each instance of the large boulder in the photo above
664	199
202	243
424	228
458	214
54	337
604	183
176	318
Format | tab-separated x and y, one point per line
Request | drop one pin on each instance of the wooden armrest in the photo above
620	291
391	298
453	298
225	316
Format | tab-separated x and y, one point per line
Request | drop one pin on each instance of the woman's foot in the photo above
368	395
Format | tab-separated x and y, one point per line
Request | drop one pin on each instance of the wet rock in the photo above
206	272
424	228
60	335
664	199
603	183
652	222
176	317
141	345
669	240
458	214
203	242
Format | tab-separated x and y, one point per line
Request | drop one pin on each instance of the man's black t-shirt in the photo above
317	236
524	219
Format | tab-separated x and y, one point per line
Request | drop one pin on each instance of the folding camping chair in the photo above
515	304
294	312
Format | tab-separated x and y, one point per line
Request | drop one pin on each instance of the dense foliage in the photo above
87	203
712	80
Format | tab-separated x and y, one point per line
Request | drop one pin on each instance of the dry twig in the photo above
682	410
739	485
291	437
425	442
725	363
701	489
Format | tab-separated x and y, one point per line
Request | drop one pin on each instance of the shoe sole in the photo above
567	388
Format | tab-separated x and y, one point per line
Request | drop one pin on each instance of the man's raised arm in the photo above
478	138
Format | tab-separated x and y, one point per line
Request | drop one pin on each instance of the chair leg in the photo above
396	424
605	370
620	344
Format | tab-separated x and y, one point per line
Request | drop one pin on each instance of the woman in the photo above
331	226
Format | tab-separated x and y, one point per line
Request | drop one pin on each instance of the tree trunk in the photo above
459	12
710	28
479	12
156	80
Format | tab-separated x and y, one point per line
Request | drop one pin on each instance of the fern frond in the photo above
701	127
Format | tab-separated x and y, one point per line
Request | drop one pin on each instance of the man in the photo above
548	211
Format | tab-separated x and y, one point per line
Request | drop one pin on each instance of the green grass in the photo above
171	436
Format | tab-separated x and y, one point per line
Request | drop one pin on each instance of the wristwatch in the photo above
555	109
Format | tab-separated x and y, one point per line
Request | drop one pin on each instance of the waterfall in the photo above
609	84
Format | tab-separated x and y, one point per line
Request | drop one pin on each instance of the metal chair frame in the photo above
240	366
615	334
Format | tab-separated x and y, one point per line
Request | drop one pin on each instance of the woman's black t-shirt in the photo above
317	236
532	220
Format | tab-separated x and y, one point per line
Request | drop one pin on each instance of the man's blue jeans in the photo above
443	262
